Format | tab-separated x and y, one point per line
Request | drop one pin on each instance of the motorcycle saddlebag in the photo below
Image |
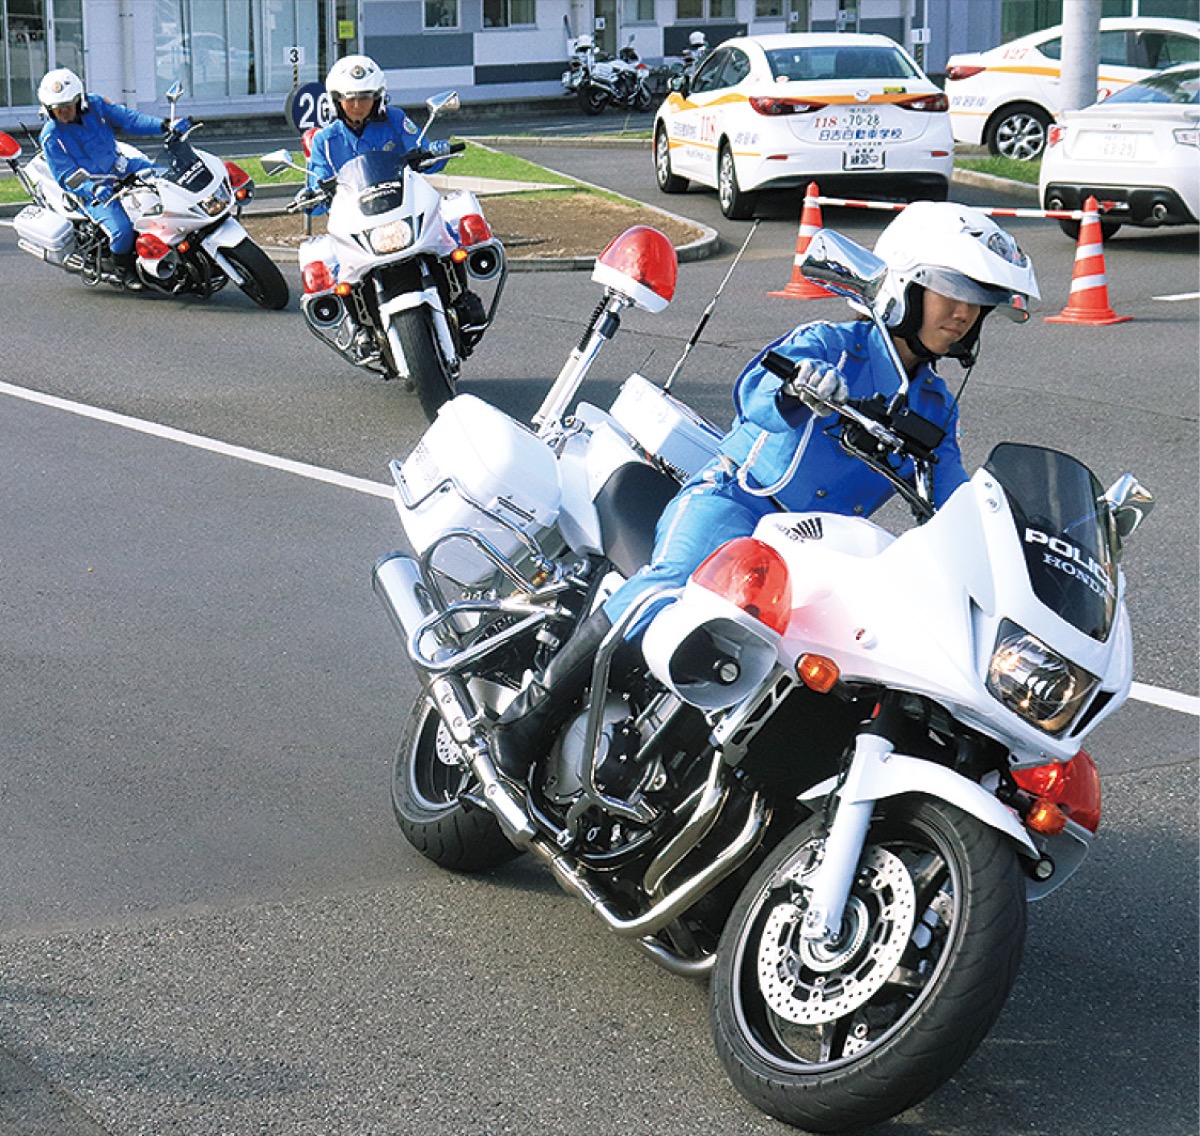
44	234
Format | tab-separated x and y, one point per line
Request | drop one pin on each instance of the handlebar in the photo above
322	194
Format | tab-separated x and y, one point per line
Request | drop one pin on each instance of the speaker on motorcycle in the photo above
484	261
325	310
640	264
708	651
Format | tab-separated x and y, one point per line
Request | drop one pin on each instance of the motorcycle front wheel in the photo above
431	377
427	780
592	100
262	280
831	1037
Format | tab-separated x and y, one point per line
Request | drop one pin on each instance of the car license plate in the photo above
862	158
1121	147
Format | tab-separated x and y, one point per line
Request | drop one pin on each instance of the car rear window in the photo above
804	64
1182	87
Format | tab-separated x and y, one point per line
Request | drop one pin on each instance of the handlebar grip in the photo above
780	365
457	147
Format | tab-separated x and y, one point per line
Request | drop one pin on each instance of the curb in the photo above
1019	189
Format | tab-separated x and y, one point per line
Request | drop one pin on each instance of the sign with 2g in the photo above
309	106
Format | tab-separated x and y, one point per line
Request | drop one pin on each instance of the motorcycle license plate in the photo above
862	158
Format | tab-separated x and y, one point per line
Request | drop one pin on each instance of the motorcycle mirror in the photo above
678	83
447	100
9	146
1130	503
844	267
640	265
76	179
174	91
277	162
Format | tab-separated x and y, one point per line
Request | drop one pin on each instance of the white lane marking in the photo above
199	442
1157	696
1177	297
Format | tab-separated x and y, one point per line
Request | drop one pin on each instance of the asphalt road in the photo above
209	923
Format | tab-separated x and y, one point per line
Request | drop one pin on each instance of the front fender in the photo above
228	234
899	774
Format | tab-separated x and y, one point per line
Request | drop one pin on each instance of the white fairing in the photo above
920	612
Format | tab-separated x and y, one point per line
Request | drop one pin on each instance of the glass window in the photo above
708	74
768	9
639	11
722	9
441	13
1114	49
24	54
1052	48
509	13
689	10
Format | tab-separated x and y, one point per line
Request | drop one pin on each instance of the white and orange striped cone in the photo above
800	288
1088	303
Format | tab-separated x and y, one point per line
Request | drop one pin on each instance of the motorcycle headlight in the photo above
1036	683
215	205
391	237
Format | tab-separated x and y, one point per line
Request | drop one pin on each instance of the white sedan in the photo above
1007	97
853	113
1138	151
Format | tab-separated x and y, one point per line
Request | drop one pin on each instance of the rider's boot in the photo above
125	265
525	728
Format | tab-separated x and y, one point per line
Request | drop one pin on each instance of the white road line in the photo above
199	442
1156	696
1177	297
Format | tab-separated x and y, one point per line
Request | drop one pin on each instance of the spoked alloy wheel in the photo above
831	1037
1019	132
735	204
668	182
427	779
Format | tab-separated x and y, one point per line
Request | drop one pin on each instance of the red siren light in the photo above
750	575
640	264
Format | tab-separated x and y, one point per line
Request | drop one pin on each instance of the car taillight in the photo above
1187	136
769	105
927	103
1072	789
963	72
1056	134
750	575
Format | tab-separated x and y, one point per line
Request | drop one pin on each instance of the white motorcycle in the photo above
597	80
388	285
184	210
845	760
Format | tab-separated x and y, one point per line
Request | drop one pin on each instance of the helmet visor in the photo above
955	285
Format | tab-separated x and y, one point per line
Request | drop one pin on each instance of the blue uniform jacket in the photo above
770	427
334	145
89	144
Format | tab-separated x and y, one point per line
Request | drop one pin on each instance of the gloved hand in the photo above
820	386
182	125
102	194
439	149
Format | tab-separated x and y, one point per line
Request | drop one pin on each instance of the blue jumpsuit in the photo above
778	455
334	145
89	144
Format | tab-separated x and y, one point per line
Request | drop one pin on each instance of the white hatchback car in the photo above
1138	150
853	113
1007	97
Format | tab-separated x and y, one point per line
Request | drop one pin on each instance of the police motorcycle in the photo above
184	210
598	81
846	759
388	285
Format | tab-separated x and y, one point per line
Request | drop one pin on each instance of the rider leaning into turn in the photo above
79	136
948	267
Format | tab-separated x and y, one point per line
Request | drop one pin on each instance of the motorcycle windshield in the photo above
1066	530
184	166
376	179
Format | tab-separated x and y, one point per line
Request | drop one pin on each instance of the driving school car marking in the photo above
1157	696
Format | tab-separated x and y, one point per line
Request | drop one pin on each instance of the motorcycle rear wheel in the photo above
264	283
430	375
426	784
834	1037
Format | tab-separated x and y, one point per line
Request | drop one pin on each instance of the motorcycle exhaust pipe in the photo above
397	582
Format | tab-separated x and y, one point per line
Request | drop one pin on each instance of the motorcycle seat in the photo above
629	505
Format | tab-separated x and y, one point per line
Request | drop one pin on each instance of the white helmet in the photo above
958	252
356	75
59	87
698	39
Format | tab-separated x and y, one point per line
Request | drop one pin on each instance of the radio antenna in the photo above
708	311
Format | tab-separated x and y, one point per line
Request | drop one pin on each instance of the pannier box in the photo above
478	470
664	427
44	233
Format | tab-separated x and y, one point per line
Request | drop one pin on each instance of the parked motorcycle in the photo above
388	286
844	760
184	209
598	80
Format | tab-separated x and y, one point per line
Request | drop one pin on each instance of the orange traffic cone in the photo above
799	288
1088	303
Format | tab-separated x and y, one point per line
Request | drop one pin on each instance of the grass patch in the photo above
1003	167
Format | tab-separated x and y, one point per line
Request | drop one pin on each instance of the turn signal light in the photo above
817	673
473	229
1072	789
316	277
752	576
458	255
150	247
1046	818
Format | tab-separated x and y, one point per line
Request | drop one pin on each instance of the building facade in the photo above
245	58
